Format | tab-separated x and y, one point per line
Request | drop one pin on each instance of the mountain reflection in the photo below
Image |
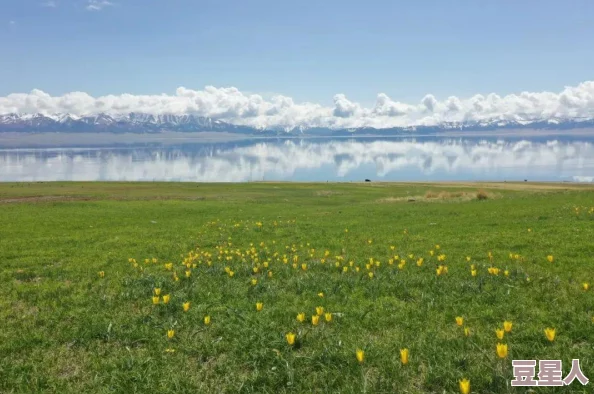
310	160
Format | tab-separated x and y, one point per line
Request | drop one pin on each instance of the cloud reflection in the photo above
315	160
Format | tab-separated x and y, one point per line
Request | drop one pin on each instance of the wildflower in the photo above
345	269
155	300
102	274
502	350
473	272
550	334
315	319
301	317
550	258
466	331
499	334
328	317
259	306
507	326
188	273
360	355
437	246
404	356
468	258
459	321
166	298
319	310
506	273
304	267
186	306
254	282
157	291
369	241
321	295
420	262
431	252
170	333
206	320
169	266
464	386
231	273
290	338
585	286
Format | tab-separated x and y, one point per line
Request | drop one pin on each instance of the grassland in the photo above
80	262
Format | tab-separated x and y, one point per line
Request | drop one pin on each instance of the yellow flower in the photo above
102	274
270	274
499	334
420	262
186	306
370	275
188	273
507	326
369	241
170	350
550	258
328	317
459	321
319	310
207	320
301	317
170	333
404	356
585	285
437	246
464	386
431	252
502	350
473	272
254	282
321	295
155	300
345	269
304	267
466	331
166	299
259	306
231	273
290	338
315	319
467	258
169	266
157	291
360	355
506	273
550	334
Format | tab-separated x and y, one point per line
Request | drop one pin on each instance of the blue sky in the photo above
309	50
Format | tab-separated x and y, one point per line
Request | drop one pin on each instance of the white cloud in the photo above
97	5
232	105
50	4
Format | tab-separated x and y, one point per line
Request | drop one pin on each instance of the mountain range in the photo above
147	123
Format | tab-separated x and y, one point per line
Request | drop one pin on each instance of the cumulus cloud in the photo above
231	105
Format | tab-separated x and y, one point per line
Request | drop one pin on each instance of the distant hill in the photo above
146	123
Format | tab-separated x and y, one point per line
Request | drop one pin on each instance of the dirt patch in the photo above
443	196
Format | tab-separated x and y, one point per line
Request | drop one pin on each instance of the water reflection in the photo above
311	160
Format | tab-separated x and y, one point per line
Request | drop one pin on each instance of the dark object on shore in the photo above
411	200
367	180
525	180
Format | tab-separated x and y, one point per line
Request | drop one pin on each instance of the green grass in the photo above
65	329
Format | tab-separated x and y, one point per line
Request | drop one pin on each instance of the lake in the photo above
429	158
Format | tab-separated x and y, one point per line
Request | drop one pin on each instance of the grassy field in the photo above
81	264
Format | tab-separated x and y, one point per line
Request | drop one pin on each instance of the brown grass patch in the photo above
443	196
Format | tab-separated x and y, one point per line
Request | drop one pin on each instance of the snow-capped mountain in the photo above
147	123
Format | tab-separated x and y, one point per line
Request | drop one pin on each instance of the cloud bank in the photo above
233	106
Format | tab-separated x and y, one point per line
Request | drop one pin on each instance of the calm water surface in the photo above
385	159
